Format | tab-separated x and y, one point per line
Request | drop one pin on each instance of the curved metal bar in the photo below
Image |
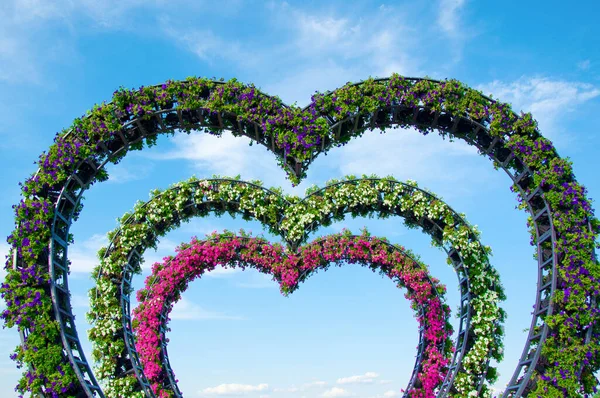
167	305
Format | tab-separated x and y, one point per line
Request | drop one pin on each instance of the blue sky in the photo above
345	332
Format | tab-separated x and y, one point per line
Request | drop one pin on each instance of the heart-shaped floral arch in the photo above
170	278
480	333
562	350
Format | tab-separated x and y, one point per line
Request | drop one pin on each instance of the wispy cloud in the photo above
28	43
321	49
207	45
234	389
19	54
111	13
230	156
164	248
258	281
326	50
430	160
547	99
451	22
106	14
336	392
187	310
36	34
84	254
449	19
317	383
80	301
134	171
367	378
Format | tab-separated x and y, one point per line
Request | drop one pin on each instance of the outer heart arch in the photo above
543	181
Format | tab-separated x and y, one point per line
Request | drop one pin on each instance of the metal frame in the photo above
474	132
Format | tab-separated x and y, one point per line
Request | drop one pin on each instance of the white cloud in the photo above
25	47
322	76
336	392
24	10
316	32
448	16
322	34
547	99
120	174
79	301
221	271
18	55
408	154
313	49
259	281
28	43
317	383
105	12
367	378
164	248
110	13
377	44
187	310
384	382
234	389
226	155
206	45
83	255
451	23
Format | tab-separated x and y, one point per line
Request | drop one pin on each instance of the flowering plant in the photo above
171	277
134	118
290	217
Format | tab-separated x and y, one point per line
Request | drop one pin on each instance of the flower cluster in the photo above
282	215
170	279
134	118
